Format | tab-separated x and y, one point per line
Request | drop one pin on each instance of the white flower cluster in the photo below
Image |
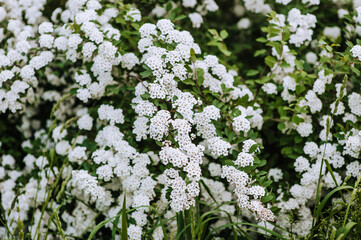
206	6
107	112
204	126
241	181
311	2
89	184
196	19
356	51
257	6
300	26
169	67
117	159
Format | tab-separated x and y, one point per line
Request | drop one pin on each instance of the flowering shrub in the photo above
180	119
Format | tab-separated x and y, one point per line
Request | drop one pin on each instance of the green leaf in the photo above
172	15
200	76
329	48
180	17
119	19
262	163
273	14
300	88
222	47
270	61
169	6
252	72
261	40
287	150
299	64
253	148
73	91
276	45
348	43
231	136
298	139
146	73
284	64
260	173
322	42
274	32
213	43
189	81
261	179
145	96
228	162
224	34
135	26
297	120
267	198
163	106
286	34
355	70
260	52
213	32
281	126
193	55
282	111
267	183
146	67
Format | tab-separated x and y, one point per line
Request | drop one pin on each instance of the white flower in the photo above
129	60
243	23
270	88
85	122
133	15
240	123
46	27
196	19
107	112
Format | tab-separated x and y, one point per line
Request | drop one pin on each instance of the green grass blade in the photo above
161	223
208	190
200	220
353	195
181	234
219	228
180	226
115	225
124	219
345	230
273	233
324	201
97	228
